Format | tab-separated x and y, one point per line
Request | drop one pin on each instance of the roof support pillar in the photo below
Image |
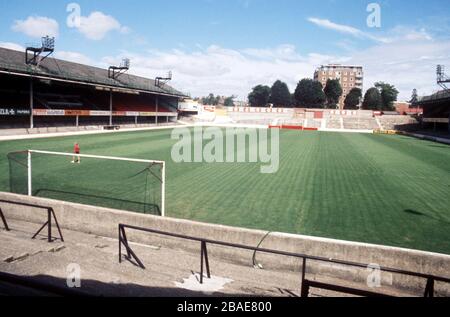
110	106
31	103
157	109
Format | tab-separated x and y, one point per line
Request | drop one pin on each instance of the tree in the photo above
353	99
414	97
229	101
309	93
372	100
333	91
259	97
209	101
280	95
388	95
293	101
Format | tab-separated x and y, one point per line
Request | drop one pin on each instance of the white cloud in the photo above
225	71
37	27
12	46
406	33
345	29
408	62
97	25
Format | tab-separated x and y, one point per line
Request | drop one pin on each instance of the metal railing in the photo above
5	223
48	223
305	285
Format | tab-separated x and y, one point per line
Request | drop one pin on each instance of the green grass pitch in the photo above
390	190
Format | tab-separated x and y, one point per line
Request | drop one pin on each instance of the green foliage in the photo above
210	100
280	95
414	97
353	99
309	94
259	97
229	101
333	91
388	95
372	100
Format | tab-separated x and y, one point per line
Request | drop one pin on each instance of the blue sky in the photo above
228	46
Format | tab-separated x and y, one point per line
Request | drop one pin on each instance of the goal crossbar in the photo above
111	158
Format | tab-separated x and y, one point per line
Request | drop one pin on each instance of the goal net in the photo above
112	182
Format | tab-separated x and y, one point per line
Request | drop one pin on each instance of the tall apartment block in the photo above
349	76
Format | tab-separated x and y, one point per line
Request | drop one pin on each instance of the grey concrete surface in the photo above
101	224
168	272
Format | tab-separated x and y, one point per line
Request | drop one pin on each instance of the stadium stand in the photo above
323	119
360	123
71	94
313	123
436	112
291	122
334	122
397	122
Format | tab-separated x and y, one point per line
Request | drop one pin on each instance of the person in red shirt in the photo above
76	150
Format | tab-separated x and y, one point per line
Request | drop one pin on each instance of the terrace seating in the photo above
334	123
140	108
14	99
292	122
314	124
123	102
258	118
360	123
60	102
392	122
258	122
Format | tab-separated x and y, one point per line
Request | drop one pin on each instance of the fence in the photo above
306	284
48	223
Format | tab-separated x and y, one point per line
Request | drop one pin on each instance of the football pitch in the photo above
390	190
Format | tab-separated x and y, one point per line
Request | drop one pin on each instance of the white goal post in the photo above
111	158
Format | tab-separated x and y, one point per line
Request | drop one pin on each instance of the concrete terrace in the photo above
169	272
173	264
